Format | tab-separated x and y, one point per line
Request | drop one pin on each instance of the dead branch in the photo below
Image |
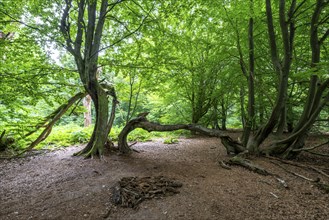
54	118
311	148
318	154
296	174
282	182
317	169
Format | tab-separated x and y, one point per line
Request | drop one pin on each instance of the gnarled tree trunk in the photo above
231	146
88	33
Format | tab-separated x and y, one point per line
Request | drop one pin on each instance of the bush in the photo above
80	136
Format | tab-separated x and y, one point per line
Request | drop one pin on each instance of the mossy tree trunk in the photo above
85	46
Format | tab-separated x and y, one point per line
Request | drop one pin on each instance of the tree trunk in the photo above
88	32
281	69
231	146
316	99
315	103
224	115
250	122
282	122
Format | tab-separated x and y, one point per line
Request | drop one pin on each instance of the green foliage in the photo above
170	140
64	135
182	65
140	135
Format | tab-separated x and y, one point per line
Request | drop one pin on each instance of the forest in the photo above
111	77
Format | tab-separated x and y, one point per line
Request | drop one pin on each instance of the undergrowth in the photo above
72	134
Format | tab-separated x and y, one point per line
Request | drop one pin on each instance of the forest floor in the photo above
55	185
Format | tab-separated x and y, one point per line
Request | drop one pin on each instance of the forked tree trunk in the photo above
281	69
315	102
90	20
317	95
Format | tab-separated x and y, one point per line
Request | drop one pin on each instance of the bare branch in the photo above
18	21
311	148
65	27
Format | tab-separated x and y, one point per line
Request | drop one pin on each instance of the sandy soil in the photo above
55	185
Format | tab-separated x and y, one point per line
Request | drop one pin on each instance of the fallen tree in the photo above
232	147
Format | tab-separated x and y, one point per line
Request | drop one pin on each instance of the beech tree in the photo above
82	26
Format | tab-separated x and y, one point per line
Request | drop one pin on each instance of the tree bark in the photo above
250	122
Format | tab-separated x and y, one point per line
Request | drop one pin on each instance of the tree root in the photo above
317	169
296	174
237	160
317	181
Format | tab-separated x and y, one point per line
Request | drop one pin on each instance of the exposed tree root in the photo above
224	165
317	169
296	174
317	181
249	165
237	160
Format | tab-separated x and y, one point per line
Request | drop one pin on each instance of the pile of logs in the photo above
131	191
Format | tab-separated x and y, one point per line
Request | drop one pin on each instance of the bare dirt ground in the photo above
55	185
